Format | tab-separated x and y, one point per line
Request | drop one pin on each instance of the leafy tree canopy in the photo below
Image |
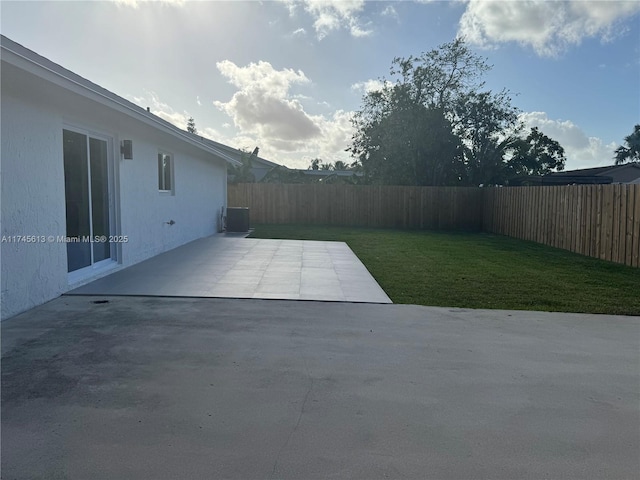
318	164
536	154
434	123
630	152
487	125
242	173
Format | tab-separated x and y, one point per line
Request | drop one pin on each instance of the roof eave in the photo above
108	99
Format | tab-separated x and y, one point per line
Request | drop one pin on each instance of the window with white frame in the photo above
165	172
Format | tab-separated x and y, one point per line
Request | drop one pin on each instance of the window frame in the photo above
165	177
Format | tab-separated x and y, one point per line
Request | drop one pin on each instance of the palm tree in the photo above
630	152
340	165
315	164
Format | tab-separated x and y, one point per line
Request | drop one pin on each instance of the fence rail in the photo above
601	221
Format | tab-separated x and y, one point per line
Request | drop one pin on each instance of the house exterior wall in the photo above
199	195
33	203
33	115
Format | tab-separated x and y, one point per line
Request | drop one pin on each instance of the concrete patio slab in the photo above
247	268
166	388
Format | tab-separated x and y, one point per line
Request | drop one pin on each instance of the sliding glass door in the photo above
86	182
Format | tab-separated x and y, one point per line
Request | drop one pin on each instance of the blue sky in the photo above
287	75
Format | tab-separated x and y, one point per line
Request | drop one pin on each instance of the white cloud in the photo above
262	105
581	150
370	85
390	12
210	133
336	136
330	15
547	26
137	3
198	100
264	110
180	119
152	101
329	146
270	118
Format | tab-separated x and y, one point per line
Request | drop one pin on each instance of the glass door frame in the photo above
111	261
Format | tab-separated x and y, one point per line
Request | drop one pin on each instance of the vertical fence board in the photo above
539	225
586	239
594	222
635	250
607	226
622	225
577	220
558	210
598	235
615	224
631	192
571	213
571	210
535	216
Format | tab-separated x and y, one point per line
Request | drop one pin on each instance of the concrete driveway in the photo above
183	388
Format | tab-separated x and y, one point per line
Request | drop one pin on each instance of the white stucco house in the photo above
91	183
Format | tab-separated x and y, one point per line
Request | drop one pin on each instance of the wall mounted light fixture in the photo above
126	149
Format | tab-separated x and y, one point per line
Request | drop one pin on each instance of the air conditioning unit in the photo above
237	219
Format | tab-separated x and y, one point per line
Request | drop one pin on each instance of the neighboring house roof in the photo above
259	166
21	57
235	153
327	173
625	173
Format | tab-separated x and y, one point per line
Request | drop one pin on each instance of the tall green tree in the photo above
413	131
434	123
488	126
437	78
631	151
340	165
318	164
404	131
242	173
191	125
408	145
536	154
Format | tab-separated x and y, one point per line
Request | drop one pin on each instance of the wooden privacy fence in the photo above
436	208
601	221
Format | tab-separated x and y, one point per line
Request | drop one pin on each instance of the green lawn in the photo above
480	270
